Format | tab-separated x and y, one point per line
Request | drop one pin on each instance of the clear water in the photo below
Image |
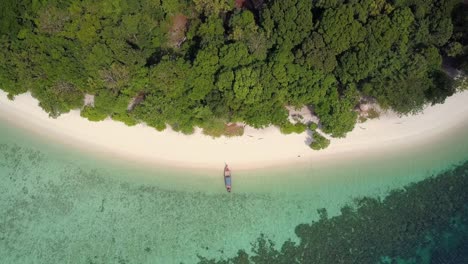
58	205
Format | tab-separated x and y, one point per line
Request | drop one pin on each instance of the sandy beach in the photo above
256	149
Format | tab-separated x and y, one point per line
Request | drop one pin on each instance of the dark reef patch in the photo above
415	219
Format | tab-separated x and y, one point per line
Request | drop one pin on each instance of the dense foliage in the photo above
196	63
289	128
319	142
457	47
375	230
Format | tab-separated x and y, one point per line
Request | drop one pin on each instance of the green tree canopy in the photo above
198	63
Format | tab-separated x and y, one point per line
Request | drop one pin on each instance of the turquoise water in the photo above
63	206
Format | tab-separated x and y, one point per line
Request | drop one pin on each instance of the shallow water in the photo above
63	206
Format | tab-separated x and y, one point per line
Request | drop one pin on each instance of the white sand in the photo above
256	149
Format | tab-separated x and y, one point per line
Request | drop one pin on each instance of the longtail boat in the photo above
227	178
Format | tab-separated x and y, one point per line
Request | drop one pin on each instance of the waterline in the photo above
63	205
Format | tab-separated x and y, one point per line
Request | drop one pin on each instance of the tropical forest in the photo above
205	63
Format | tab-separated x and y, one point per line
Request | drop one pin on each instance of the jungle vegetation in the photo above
204	63
319	141
420	217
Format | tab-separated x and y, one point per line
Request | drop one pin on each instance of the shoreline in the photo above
256	149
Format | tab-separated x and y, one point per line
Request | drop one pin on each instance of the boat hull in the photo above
227	178
228	186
